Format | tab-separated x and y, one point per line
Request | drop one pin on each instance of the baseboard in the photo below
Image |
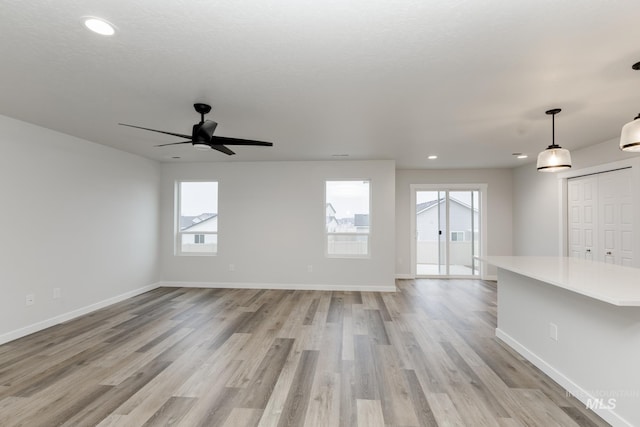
279	286
578	392
36	327
405	276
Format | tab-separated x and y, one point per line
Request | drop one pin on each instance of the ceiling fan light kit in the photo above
202	135
554	158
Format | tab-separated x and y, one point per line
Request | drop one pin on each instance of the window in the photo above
197	218
347	220
457	236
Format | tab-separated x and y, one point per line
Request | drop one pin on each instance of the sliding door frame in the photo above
482	189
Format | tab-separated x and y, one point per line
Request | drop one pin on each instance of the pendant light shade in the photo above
630	136
554	158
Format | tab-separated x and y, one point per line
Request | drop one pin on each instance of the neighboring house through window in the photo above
347	219
197	218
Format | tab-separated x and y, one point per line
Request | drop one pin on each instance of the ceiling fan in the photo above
202	135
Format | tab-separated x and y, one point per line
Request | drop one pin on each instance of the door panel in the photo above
581	210
588	214
588	238
428	236
616	226
463	225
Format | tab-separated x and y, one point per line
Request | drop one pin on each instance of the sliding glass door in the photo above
431	218
447	231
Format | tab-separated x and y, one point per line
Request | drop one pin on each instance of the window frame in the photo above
178	234
327	234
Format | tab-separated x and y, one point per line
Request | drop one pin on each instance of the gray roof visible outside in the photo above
187	222
426	205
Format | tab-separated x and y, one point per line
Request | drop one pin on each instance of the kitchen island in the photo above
579	322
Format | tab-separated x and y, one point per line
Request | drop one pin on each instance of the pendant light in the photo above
630	135
554	158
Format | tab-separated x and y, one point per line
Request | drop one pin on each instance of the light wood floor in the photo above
423	356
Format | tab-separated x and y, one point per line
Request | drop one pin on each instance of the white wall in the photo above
76	216
537	196
271	226
536	212
499	207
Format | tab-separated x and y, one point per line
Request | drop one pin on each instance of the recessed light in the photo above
432	157
100	26
520	155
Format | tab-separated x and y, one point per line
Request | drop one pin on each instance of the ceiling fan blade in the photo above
174	143
236	141
181	135
223	149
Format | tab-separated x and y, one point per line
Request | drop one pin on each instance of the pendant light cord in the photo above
553	127
553	130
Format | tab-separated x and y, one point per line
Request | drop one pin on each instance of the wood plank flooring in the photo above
423	356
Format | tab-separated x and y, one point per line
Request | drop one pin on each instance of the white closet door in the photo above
583	211
615	217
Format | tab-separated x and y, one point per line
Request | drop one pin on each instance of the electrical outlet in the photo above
30	299
310	268
553	331
232	267
57	293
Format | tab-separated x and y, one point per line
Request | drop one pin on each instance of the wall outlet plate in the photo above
30	299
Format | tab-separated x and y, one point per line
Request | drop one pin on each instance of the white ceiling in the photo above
468	80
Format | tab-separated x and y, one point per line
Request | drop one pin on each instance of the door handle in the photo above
588	250
608	252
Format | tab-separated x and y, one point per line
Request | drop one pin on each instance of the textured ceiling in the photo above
468	80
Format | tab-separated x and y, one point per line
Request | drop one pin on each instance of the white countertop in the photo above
610	283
